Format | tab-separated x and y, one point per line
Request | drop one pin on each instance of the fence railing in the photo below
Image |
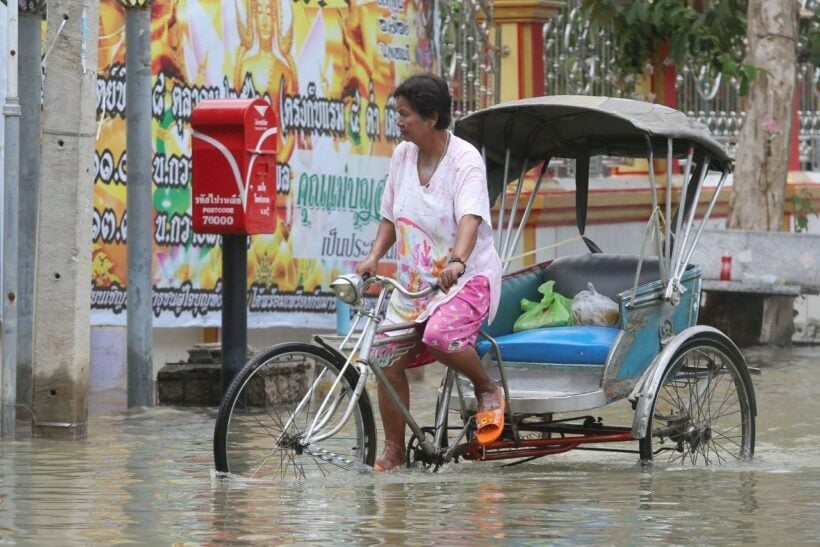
470	53
580	60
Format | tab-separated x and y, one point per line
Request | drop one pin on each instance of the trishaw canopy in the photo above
579	126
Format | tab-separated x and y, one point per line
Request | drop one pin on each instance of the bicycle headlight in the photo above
347	288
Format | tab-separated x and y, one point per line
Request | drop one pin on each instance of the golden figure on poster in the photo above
266	39
360	58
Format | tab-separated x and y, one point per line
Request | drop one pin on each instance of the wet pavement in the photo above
146	476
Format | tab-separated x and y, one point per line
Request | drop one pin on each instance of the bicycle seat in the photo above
579	345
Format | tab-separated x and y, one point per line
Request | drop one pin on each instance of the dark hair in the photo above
427	94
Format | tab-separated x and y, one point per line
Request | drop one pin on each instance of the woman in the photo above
436	208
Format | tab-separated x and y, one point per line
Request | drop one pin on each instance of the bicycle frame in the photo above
365	365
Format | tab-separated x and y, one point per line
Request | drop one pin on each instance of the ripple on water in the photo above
146	476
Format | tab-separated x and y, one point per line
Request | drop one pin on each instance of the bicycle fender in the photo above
644	393
335	353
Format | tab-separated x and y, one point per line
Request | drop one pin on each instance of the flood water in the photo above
146	476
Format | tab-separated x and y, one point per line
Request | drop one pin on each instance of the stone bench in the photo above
769	270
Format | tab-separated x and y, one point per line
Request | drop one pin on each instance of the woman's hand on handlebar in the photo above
449	275
367	267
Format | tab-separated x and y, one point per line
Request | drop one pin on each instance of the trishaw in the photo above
299	410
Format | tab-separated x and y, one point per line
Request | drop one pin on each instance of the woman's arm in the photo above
466	236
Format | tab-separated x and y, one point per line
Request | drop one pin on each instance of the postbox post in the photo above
234	305
234	194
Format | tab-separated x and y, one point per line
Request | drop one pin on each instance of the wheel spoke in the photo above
702	407
251	437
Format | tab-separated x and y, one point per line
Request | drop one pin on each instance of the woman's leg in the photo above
467	363
454	326
393	420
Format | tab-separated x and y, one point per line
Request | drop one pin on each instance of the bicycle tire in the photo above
697	423
257	435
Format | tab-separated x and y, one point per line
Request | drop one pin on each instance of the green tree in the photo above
754	41
710	32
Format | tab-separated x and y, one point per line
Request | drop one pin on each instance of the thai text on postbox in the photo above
234	166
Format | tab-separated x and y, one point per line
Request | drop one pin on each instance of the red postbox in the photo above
234	166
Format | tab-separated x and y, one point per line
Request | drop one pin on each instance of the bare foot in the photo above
490	399
392	456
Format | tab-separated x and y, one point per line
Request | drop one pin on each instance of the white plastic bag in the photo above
593	308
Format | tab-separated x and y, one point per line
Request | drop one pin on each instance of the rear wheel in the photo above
704	411
275	399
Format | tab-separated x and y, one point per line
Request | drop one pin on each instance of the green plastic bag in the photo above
554	310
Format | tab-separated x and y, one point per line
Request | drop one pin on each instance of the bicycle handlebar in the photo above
381	280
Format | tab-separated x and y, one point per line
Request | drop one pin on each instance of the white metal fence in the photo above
470	53
580	60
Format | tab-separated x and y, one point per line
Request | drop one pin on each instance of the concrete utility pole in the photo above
138	186
62	304
11	172
31	86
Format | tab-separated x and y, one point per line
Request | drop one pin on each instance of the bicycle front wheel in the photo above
279	406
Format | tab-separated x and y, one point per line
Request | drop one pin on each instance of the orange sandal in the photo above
490	424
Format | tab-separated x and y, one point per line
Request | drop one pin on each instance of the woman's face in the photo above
412	125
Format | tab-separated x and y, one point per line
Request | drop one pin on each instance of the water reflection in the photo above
721	507
146	477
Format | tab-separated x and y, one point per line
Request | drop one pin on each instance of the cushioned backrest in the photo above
514	287
610	274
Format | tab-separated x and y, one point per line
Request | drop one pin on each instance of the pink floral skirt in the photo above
452	327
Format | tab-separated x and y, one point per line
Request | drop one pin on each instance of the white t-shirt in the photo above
426	220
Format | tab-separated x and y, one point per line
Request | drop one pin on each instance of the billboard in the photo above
327	67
